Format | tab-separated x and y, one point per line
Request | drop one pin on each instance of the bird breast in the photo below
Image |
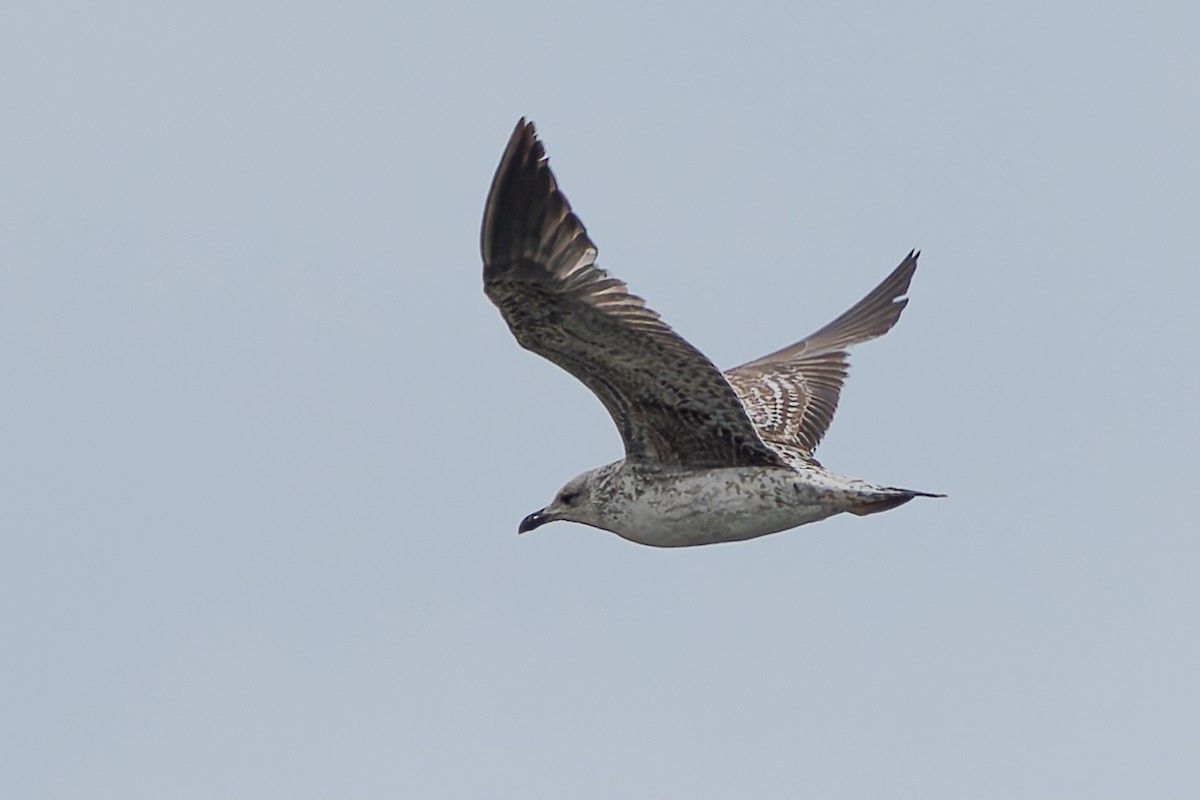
683	508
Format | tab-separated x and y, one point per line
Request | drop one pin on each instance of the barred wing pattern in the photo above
791	395
671	405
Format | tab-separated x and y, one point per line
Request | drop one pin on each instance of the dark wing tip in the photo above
870	317
527	222
519	163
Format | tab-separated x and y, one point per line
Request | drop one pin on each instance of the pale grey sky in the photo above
267	444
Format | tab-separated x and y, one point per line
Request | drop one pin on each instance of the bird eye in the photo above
569	497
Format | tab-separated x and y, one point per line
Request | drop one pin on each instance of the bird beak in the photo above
535	520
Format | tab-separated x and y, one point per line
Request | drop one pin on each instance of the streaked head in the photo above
573	503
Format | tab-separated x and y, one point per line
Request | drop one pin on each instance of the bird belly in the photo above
720	505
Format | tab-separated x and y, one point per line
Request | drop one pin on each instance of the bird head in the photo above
573	503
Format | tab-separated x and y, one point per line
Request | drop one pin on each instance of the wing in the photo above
792	394
670	403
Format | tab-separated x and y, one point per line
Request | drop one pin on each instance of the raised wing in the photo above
792	394
671	404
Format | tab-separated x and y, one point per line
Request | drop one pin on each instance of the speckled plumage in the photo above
709	456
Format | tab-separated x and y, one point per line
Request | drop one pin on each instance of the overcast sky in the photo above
266	443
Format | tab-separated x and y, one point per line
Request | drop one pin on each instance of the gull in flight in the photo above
710	456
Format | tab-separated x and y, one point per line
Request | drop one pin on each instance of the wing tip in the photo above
901	278
524	134
871	317
524	153
527	219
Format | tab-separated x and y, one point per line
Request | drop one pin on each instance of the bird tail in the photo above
886	501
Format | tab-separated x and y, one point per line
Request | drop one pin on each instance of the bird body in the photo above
673	507
710	456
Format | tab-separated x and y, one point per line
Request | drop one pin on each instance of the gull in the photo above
710	456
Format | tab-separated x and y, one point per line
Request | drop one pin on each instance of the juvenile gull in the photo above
709	456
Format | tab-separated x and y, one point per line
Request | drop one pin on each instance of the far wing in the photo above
792	394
